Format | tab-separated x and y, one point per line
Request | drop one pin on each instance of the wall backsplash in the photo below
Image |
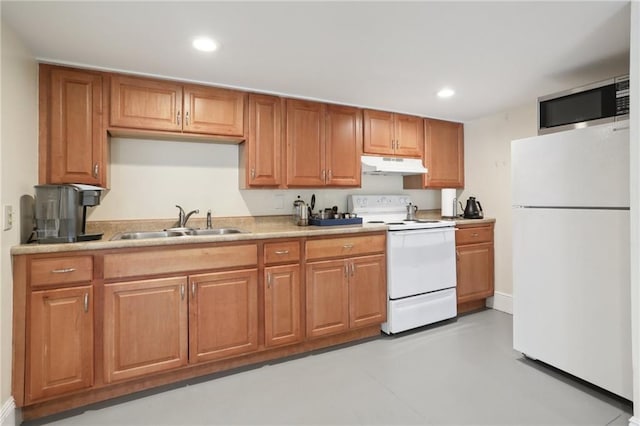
149	177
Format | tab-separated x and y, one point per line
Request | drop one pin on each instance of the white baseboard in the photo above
634	421
501	302
8	413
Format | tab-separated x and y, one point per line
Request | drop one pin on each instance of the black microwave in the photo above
597	103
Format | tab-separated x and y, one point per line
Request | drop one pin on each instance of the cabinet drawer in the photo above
345	246
61	270
480	234
288	251
152	262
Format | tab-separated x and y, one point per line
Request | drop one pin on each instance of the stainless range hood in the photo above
392	166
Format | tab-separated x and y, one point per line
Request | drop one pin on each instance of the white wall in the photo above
487	157
18	165
149	177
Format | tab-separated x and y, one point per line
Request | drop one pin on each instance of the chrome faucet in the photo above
182	218
209	225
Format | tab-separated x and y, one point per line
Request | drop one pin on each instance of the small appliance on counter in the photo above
473	210
61	212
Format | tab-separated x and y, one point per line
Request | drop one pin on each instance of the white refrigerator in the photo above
571	292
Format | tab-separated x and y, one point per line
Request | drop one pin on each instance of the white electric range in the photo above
421	262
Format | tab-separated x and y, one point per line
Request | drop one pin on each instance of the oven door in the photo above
420	261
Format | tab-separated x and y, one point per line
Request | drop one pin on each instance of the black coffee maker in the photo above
473	210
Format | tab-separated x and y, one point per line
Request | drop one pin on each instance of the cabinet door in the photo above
140	103
378	132
282	305
327	298
223	314
78	139
409	136
444	154
264	142
475	272
213	111
305	143
145	327
60	341
367	291
343	145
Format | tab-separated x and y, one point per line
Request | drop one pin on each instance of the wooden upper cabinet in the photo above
305	143
60	342
444	154
409	133
73	138
443	158
343	145
147	104
387	133
379	132
214	111
324	144
263	148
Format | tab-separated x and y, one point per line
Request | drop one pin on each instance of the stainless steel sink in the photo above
174	232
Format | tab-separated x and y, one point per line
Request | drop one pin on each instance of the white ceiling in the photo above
387	55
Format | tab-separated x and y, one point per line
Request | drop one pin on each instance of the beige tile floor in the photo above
461	372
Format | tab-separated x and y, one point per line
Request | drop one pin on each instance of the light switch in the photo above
7	217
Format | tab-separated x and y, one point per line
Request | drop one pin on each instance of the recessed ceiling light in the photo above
446	93
204	44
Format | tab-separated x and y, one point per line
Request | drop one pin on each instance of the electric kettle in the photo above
473	210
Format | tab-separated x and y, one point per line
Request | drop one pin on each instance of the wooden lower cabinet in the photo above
346	293
282	321
367	291
475	266
327	297
60	342
223	314
145	327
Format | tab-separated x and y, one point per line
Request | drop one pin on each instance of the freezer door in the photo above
578	168
571	293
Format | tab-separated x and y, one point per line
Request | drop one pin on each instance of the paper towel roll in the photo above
448	203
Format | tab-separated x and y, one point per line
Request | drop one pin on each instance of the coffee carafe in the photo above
473	210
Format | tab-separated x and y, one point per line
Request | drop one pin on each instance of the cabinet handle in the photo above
330	176
253	173
346	270
96	170
193	290
182	292
186	118
353	269
348	246
63	271
474	234
282	251
178	118
86	302
457	255
269	280
324	175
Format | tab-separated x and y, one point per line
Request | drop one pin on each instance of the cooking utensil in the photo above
411	211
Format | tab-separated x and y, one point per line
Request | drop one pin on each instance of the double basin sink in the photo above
175	232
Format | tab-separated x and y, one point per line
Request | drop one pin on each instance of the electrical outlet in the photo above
7	217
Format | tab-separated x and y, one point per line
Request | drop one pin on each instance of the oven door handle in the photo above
423	231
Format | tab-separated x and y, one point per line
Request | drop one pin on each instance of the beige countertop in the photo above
256	228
